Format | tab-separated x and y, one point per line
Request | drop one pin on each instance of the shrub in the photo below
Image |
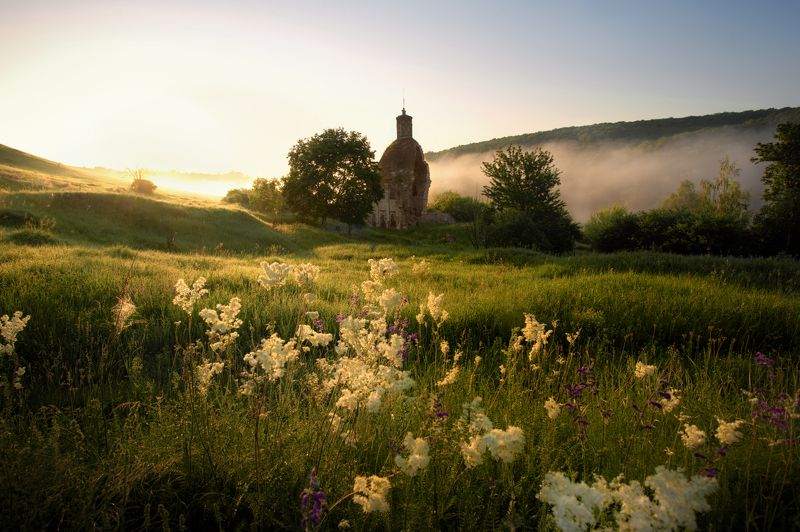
612	229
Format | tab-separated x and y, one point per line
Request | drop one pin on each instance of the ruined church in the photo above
405	178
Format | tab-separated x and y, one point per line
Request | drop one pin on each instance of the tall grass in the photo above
110	432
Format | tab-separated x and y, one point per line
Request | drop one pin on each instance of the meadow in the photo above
353	396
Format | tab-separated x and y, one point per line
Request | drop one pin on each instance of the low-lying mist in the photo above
637	176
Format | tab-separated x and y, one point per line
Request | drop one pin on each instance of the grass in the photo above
110	431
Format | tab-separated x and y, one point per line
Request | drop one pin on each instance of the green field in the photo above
111	425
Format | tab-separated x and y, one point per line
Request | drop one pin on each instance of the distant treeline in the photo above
638	131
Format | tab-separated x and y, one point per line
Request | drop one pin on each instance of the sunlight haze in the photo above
217	87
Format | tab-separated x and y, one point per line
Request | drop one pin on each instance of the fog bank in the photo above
637	176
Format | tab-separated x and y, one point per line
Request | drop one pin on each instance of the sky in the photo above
232	85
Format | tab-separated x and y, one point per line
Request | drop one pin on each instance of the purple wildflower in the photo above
764	360
319	325
313	503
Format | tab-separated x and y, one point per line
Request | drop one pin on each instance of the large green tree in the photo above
333	175
523	189
779	219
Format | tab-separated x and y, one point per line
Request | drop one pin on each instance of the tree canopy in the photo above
779	219
333	175
523	189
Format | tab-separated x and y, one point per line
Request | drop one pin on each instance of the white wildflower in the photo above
668	405
444	347
269	361
204	374
380	269
727	433
304	274
371	493
692	436
450	378
417	458
9	329
534	332
275	274
312	315
643	370
186	297
222	324
552	407
390	300
306	333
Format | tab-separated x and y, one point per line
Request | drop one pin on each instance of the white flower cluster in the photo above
383	268
222	324
501	444
534	333
692	436
674	503
552	407
643	370
204	374
727	433
668	405
267	363
371	493
433	306
306	333
186	297
417	455
277	273
9	329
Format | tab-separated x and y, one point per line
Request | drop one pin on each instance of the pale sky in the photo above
232	85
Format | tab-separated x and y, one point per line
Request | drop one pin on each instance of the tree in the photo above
333	175
140	185
525	184
267	197
779	219
239	196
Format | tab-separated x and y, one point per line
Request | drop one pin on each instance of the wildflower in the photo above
304	274
421	267
445	347
417	455
669	400
312	315
450	378
204	374
9	329
343	524
534	332
371	492
268	362
502	370
501	444
186	297
478	360
18	374
389	300
380	269
643	370
692	436
552	407
434	307
222	324
727	433
573	337
313	502
310	298
122	312
764	360
305	333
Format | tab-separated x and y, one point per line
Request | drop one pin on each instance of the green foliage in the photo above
238	196
530	211
779	219
461	208
613	229
266	196
333	175
32	237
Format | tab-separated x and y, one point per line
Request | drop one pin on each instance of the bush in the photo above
32	237
143	186
461	208
612	229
